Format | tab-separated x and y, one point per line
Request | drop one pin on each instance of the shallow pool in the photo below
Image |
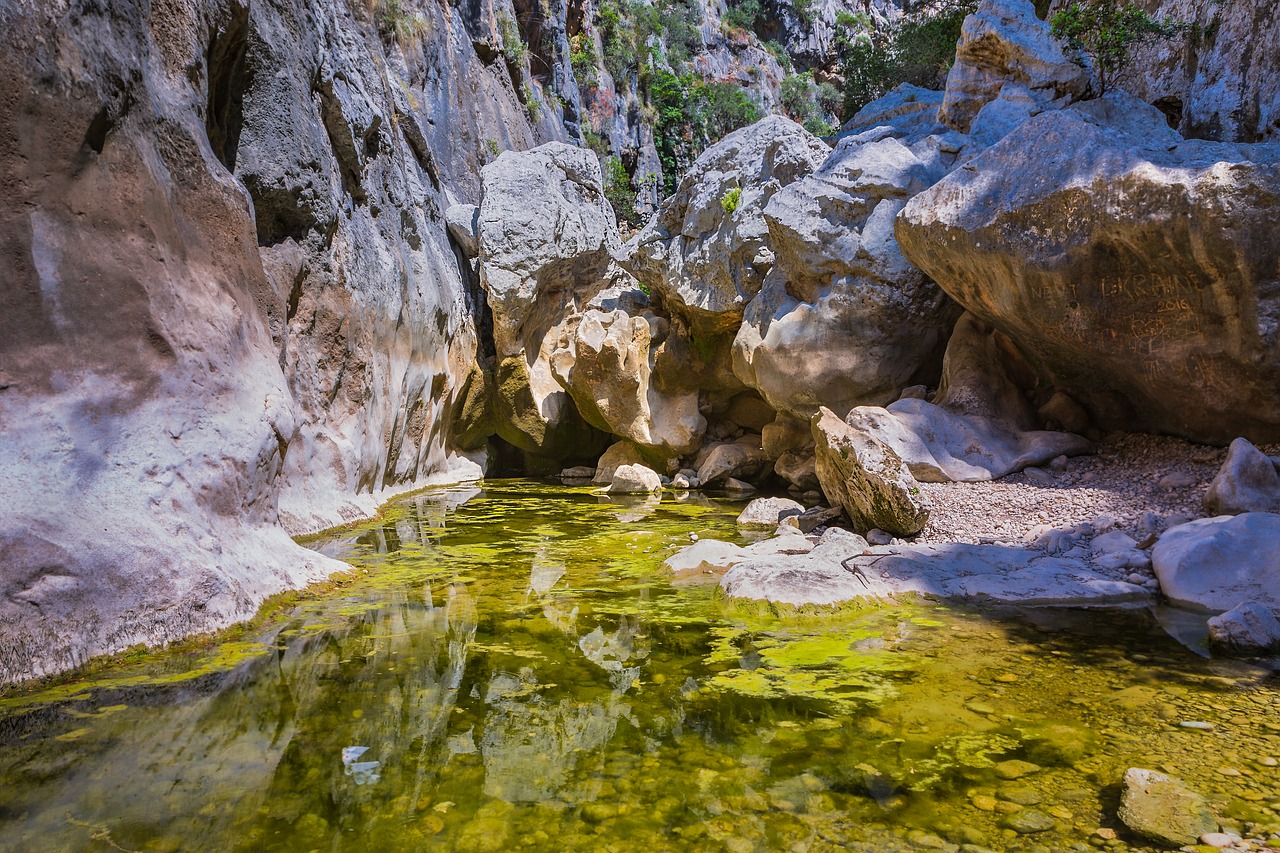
510	668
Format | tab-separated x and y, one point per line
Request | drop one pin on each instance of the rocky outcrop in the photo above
863	474
1221	80
547	237
981	426
1132	266
1218	563
706	253
1249	481
1004	46
843	319
607	366
232	309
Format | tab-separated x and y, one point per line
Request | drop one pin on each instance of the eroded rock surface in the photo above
1163	808
1123	260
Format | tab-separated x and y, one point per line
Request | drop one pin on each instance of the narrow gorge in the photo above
601	395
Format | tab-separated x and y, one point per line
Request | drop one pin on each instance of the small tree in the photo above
1107	31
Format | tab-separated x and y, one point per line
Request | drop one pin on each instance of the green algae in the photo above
517	671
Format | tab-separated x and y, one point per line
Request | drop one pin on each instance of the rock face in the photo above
1217	563
547	237
1164	809
981	426
608	367
231	307
843	319
1134	267
864	475
1003	44
1248	482
1246	629
1223	85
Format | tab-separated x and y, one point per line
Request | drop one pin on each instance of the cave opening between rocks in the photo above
511	666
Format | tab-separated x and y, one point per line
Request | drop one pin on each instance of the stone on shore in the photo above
635	480
768	512
1248	481
1247	628
1217	563
864	475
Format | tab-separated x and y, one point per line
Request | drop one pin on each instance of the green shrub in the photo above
919	49
396	20
1106	32
742	15
731	199
618	190
531	104
583	59
514	49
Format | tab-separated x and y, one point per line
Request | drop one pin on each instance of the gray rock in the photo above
1001	43
705	261
1216	563
713	556
798	469
634	480
980	425
547	237
1247	482
1029	821
1116	541
876	536
741	458
616	455
1247	628
842	319
817	517
842	571
734	485
463	222
607	365
1164	809
578	472
1065	413
1099	333
768	512
863	474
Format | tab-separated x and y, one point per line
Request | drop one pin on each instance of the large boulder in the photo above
546	237
863	474
635	480
981	425
1164	809
1003	43
843	319
1217	563
1249	481
768	512
742	458
607	366
706	252
1135	268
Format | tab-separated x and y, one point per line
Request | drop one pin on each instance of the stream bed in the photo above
511	668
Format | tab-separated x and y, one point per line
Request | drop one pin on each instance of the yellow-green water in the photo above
516	672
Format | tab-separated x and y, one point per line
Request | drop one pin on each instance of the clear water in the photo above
511	669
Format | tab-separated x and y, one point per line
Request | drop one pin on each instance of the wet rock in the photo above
839	571
1029	821
634	480
1247	628
1217	563
578	472
768	512
1164	809
865	476
1016	768
1249	481
736	486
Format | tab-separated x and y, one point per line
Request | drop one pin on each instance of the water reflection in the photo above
514	671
